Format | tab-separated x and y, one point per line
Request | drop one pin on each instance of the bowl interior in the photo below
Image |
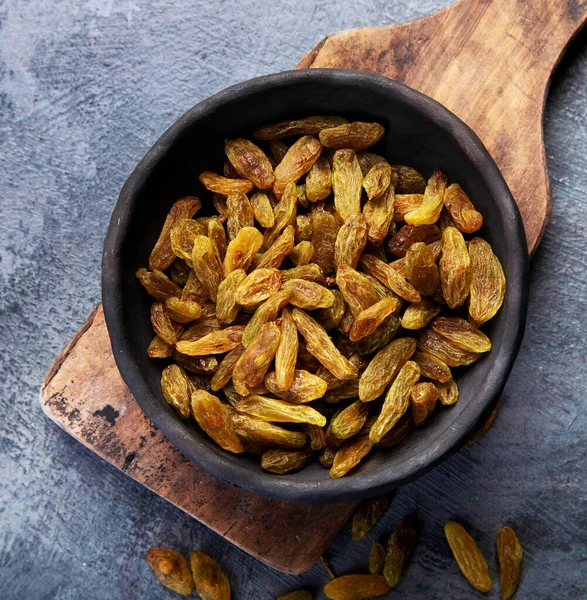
419	133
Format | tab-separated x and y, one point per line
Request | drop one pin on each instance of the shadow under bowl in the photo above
419	132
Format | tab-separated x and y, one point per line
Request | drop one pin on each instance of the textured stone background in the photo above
86	86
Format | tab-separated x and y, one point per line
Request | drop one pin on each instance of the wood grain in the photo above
85	395
489	62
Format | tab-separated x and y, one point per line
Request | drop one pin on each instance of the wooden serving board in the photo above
490	62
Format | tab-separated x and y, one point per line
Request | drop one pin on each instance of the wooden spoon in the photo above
489	62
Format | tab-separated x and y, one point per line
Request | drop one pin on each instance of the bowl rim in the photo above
362	484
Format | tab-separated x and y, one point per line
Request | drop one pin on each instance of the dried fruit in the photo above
350	242
159	349
302	254
454	267
379	338
239	213
432	367
179	271
258	286
324	230
224	372
389	277
379	212
255	360
347	183
311	272
384	367
278	151
400	264
468	556
419	314
274	256
162	255
487	282
356	135
461	333
356	289
356	587
207	267
250	162
410	234
308	295
400	547
309	125
219	202
398	432
485	426
216	342
349	421
162	324
509	554
371	318
234	299
423	397
182	311
296	595
327	457
182	238
297	161
350	454
242	249
319	344
284	461
193	289
319	180
211	581
268	311
448	392
287	352
396	402
404	203
158	284
461	209
215	420
229	171
267	434
284	215
304	388
446	351
224	185
176	390
376	558
203	365
421	269
171	569
368	160
279	411
377	180
429	211
262	209
348	389
316	434
303	228
330	317
409	181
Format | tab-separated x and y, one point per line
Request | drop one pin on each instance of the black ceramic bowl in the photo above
420	133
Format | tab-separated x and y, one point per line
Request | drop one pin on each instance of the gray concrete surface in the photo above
85	88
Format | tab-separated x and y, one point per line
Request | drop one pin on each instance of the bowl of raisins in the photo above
315	284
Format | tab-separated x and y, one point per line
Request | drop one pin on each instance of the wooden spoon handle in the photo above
490	62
